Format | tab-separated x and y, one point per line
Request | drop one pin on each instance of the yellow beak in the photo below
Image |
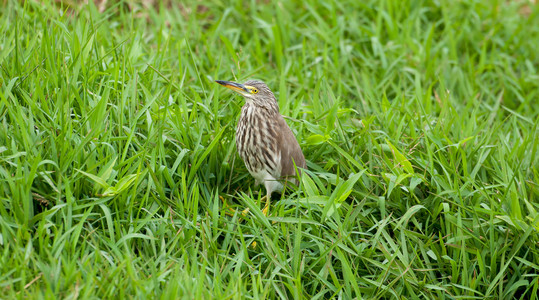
236	87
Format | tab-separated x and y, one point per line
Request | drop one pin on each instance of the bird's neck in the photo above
270	106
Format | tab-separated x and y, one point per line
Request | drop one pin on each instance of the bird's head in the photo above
254	91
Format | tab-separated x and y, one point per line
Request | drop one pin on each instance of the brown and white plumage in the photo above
264	141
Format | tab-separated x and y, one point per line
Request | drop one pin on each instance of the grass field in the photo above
119	175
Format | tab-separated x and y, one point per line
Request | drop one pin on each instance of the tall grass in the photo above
419	121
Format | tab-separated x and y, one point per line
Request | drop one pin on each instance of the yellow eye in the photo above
254	91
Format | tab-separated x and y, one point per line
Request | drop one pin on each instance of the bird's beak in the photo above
236	87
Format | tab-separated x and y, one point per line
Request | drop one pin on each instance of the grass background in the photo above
418	119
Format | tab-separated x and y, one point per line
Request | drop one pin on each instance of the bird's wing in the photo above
289	149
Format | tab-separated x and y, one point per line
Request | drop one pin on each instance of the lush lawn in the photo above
419	121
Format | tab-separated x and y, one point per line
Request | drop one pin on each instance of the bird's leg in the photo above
230	211
271	185
266	207
225	206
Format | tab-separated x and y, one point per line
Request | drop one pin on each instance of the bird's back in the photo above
291	154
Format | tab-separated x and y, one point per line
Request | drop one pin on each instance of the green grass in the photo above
418	119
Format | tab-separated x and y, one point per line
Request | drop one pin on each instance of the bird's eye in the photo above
254	91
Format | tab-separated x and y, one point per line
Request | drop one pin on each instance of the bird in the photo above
264	141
